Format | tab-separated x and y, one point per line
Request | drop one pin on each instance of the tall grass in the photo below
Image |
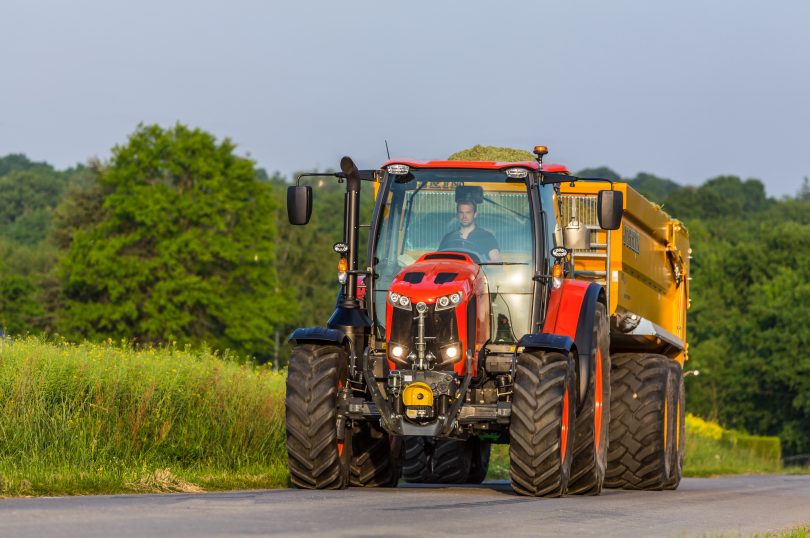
103	418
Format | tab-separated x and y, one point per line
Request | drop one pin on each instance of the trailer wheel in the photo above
376	456
542	426
678	428
316	459
591	439
436	461
641	447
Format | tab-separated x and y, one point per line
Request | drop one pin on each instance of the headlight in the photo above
449	301
399	301
451	353
398	352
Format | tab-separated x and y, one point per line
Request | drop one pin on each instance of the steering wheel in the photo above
459	244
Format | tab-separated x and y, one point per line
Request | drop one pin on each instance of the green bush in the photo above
713	450
104	418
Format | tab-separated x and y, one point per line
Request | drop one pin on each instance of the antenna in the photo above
386	150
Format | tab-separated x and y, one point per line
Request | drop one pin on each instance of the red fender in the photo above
564	307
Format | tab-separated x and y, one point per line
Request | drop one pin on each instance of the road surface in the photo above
740	505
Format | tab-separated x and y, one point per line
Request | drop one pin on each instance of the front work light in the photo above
516	173
398	169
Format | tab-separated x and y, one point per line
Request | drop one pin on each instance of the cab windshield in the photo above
480	212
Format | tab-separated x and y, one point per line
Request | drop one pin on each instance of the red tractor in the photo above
460	331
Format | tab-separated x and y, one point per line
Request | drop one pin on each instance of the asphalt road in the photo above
741	505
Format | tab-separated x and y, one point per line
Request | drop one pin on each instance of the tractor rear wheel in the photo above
436	461
315	456
640	453
591	439
376	456
678	413
542	426
480	459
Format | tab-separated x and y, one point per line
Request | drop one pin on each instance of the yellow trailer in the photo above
643	266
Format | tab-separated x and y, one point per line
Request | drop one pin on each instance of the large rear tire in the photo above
640	454
591	439
542	426
436	461
316	459
481	451
678	412
376	457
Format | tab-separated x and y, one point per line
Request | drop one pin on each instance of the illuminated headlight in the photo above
398	169
397	352
450	354
449	301
399	301
516	173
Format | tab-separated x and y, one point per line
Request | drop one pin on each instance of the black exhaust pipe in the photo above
348	315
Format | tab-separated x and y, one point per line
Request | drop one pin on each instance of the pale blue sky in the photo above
686	90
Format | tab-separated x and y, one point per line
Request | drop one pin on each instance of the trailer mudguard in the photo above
571	313
317	335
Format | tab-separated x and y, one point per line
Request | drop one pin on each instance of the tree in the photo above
600	171
174	242
804	190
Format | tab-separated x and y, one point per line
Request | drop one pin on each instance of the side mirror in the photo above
609	209
299	204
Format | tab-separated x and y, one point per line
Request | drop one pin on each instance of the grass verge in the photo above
78	419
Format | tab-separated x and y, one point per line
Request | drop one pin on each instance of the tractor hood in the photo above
436	274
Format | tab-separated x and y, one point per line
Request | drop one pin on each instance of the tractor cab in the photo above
465	240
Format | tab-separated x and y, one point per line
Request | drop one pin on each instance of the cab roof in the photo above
482	165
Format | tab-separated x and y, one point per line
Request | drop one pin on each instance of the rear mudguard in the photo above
571	312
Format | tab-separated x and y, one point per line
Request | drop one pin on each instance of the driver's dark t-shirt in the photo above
479	240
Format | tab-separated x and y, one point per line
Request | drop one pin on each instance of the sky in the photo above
685	90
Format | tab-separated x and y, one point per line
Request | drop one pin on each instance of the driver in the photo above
477	239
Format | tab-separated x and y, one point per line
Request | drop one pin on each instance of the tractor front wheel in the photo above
315	456
591	440
542	427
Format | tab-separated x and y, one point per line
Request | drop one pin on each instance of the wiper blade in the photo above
503	263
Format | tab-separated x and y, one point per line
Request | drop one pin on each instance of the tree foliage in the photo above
174	241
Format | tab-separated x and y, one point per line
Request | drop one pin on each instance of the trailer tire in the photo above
640	450
315	456
376	457
542	426
591	439
678	428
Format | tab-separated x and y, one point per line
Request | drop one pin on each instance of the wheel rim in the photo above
564	428
598	396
